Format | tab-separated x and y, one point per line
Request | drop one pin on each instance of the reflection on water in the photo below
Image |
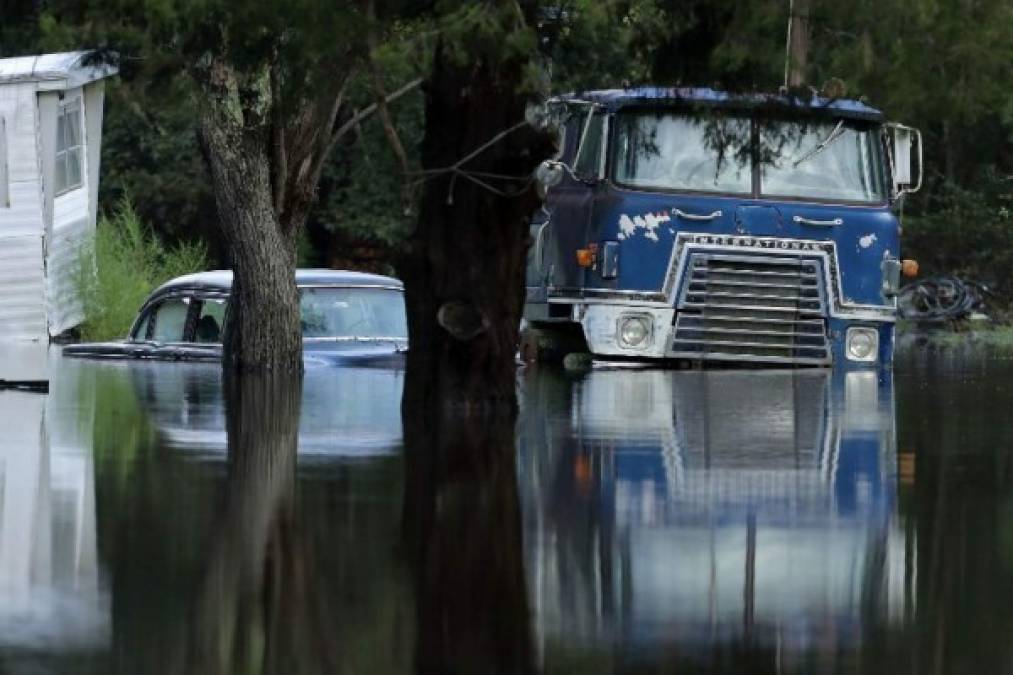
50	590
154	520
695	514
346	411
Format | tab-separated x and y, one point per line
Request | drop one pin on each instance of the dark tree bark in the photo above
464	267
265	141
463	539
263	331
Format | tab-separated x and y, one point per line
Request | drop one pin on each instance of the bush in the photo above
119	268
967	233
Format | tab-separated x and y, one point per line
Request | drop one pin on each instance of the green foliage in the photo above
940	66
361	186
122	265
590	44
968	233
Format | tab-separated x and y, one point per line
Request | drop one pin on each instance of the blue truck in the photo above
691	224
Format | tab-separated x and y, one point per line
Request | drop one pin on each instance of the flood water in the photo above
644	521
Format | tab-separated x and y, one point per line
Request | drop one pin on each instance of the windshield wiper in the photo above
821	146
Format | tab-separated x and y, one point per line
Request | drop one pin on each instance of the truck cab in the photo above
698	225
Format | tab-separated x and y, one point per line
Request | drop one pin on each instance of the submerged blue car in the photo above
347	318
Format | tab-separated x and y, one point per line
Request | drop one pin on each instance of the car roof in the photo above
221	280
614	99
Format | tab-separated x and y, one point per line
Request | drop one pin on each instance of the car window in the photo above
353	312
211	321
170	320
141	332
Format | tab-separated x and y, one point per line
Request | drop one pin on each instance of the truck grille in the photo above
752	308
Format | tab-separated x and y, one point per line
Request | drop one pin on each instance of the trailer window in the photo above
5	196
822	160
69	148
682	152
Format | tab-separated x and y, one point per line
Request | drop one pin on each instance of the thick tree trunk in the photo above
263	331
464	270
265	147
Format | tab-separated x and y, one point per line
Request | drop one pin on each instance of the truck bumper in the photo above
851	343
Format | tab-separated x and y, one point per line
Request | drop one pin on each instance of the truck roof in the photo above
614	99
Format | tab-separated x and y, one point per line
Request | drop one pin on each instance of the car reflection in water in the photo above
346	412
703	514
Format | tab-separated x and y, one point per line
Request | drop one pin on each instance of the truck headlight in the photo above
635	331
862	344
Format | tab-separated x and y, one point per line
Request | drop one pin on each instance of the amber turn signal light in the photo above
909	268
586	256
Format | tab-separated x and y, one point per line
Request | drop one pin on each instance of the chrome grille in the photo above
752	308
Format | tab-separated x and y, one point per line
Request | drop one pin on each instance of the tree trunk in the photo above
464	269
798	45
263	331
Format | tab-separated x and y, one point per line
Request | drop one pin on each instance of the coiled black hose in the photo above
940	299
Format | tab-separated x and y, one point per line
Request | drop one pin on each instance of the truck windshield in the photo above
680	152
825	160
822	160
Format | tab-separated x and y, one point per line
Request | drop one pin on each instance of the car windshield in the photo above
822	160
801	159
349	312
683	152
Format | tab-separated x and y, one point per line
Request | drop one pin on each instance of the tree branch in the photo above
388	124
366	112
384	112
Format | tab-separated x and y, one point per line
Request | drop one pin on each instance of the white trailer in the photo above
50	144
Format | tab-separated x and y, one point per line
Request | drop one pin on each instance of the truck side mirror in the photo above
904	140
548	174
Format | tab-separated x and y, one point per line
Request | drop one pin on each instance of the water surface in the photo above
648	521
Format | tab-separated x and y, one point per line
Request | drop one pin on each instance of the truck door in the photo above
569	204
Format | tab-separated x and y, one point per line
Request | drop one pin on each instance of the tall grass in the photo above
120	267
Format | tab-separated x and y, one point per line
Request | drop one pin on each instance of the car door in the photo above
188	327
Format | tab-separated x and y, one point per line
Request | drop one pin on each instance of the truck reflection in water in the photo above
708	514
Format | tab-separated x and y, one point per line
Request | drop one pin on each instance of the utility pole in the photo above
797	57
